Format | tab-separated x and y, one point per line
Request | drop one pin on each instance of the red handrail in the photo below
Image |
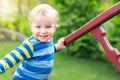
97	21
98	33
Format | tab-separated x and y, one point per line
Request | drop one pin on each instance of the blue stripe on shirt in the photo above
40	63
28	49
25	76
17	78
8	61
21	52
38	70
40	46
42	52
33	74
45	57
15	57
2	68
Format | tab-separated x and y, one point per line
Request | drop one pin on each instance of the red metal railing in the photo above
94	26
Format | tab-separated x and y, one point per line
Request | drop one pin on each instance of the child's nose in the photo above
43	30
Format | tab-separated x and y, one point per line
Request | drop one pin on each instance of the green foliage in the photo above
22	25
74	14
113	28
115	1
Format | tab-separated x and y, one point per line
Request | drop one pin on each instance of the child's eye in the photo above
37	26
48	26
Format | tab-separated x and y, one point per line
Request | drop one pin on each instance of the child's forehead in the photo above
43	24
43	20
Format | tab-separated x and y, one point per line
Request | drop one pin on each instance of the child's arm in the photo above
24	51
60	44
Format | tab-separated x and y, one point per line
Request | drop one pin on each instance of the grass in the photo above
69	68
6	47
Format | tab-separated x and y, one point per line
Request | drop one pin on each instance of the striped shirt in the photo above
37	60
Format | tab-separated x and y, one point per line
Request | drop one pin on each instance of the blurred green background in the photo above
72	14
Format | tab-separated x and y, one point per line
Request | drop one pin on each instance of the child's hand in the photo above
60	44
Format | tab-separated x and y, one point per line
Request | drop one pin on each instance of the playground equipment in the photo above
95	28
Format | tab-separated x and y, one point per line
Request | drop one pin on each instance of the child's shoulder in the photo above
27	40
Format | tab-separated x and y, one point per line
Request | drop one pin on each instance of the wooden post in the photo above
112	54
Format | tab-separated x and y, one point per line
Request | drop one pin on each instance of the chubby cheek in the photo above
52	33
34	32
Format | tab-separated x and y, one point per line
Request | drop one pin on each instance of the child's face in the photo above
43	28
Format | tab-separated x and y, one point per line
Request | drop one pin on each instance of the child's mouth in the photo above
43	36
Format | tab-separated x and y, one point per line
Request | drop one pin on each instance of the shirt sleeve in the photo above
0	71
23	52
55	47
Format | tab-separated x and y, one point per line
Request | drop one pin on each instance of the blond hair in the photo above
44	10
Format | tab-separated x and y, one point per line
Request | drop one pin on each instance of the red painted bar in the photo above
95	22
98	33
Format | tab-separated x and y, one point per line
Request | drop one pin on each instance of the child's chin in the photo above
44	40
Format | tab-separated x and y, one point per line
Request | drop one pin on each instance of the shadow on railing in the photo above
94	26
